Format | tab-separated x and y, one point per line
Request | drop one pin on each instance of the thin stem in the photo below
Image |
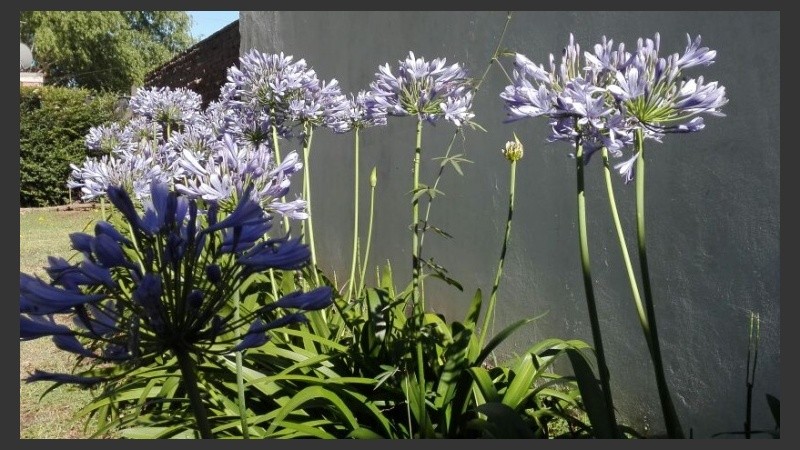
752	348
103	208
189	375
435	185
668	409
369	237
637	299
239	372
351	283
587	283
276	147
495	53
307	190
493	298
416	298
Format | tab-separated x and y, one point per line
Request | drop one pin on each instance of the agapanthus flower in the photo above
359	111
574	96
654	91
221	174
430	90
167	106
105	139
133	171
160	283
275	90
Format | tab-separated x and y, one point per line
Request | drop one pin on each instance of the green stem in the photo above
637	299
239	372
189	375
307	191
276	147
430	199
493	298
668	409
369	238
587	283
417	300
416	297
351	283
103	208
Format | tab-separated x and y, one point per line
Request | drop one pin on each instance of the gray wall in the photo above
712	197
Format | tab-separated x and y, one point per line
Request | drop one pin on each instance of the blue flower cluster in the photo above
163	282
430	90
602	99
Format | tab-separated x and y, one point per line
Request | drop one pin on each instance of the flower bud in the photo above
513	150
373	178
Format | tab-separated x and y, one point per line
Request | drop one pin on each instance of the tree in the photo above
103	50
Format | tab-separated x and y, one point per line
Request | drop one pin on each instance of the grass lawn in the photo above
44	232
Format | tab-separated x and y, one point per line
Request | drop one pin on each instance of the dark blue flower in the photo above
38	297
256	334
308	301
283	254
32	327
39	375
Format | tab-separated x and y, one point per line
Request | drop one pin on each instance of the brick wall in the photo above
202	67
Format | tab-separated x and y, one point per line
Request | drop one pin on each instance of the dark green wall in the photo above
712	197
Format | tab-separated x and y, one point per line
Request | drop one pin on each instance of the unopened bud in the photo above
373	178
513	150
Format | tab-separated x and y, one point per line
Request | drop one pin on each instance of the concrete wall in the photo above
712	197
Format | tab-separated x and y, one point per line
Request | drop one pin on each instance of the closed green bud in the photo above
513	150
373	178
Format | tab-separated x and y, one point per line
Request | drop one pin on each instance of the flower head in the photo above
654	91
359	111
165	287
430	90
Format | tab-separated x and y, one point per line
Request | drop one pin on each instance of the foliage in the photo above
103	50
53	123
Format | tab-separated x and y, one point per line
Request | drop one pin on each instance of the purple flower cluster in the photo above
429	90
210	154
359	111
277	91
167	106
601	100
163	286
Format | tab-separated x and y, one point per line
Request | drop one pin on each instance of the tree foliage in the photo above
103	50
53	123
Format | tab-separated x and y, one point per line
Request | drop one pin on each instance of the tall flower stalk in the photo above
373	182
308	137
357	112
351	284
579	115
513	152
428	91
591	303
659	99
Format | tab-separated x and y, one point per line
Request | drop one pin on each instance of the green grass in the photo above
45	232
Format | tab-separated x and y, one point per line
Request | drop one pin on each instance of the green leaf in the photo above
151	432
501	336
484	384
592	395
775	409
314	394
287	282
363	433
471	320
503	422
521	385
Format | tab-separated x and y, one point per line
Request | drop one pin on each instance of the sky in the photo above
206	23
